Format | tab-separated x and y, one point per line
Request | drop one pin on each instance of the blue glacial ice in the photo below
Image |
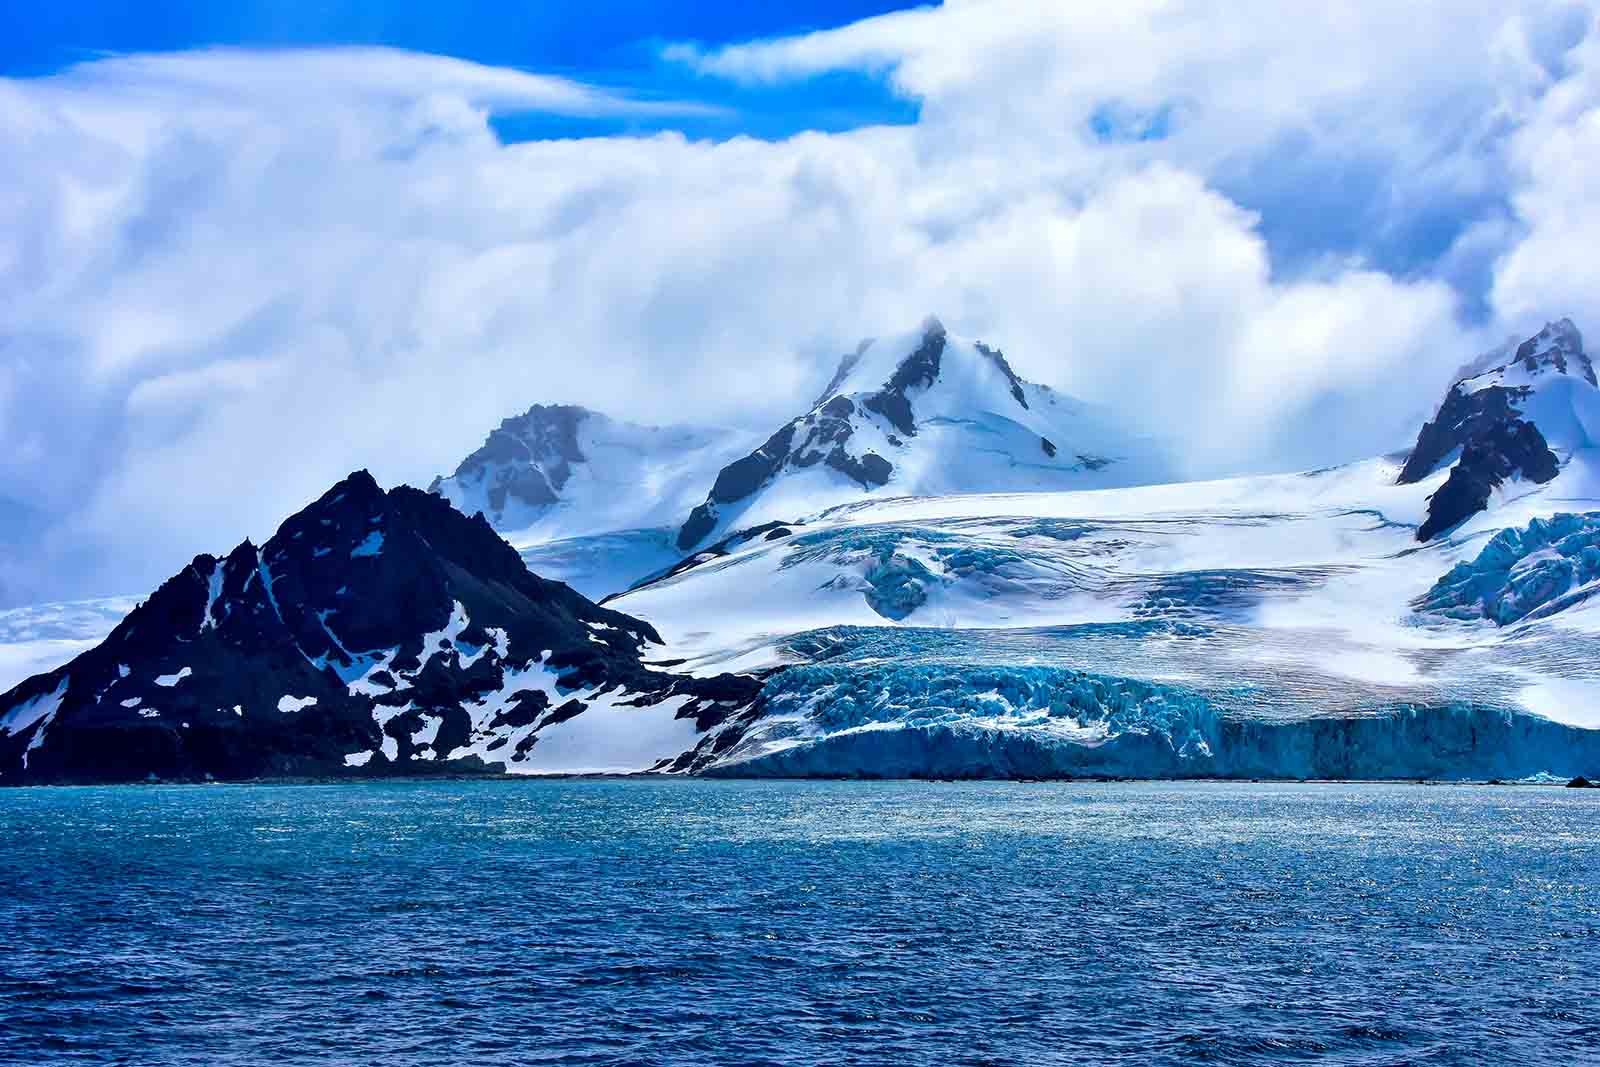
1528	572
907	703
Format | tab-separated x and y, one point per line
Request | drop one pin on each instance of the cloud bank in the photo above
228	277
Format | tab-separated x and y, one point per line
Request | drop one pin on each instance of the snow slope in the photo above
553	478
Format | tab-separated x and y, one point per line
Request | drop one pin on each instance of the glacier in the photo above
1016	597
1548	566
920	704
1283	626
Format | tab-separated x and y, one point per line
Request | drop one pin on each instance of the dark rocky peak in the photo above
1557	347
360	570
1462	417
860	421
528	457
919	370
1506	449
366	617
1482	427
820	436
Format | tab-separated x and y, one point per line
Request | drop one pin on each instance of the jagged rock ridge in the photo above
527	459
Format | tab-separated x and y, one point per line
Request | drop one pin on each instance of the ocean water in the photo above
695	922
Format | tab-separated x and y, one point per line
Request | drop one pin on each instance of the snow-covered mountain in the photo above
376	632
1513	417
602	504
1284	625
561	472
852	610
564	471
922	414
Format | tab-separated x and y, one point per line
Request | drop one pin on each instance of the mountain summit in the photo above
923	414
560	470
1506	420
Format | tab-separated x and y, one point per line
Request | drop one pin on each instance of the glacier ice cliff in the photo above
1046	722
1147	699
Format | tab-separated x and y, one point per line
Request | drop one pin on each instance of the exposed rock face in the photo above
1509	448
376	632
820	436
1557	347
1462	418
527	459
918	370
1485	423
999	360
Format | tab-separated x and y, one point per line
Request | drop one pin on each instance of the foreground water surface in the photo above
601	922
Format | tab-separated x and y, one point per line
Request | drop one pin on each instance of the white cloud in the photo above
1556	157
230	277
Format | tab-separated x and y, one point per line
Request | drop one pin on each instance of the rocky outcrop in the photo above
1484	429
919	370
375	633
820	436
1505	450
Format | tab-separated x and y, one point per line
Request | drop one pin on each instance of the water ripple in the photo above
597	922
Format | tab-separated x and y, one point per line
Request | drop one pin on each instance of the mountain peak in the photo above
375	630
1554	352
1559	348
1501	420
925	412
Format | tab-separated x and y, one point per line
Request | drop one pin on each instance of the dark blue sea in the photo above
695	922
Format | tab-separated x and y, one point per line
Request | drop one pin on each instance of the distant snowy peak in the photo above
525	463
1505	420
560	470
925	413
1555	351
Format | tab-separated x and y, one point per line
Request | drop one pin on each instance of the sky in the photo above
246	248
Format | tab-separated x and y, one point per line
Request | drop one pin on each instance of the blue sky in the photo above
609	42
248	247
